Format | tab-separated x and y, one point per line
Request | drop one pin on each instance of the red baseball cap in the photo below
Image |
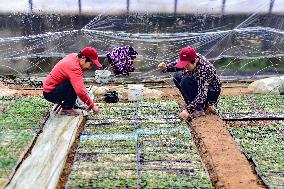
92	54
185	56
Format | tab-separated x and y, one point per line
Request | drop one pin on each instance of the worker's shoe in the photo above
71	112
211	110
197	113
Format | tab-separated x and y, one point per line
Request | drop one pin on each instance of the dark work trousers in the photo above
65	93
189	89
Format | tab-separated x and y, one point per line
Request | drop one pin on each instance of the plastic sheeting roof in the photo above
122	6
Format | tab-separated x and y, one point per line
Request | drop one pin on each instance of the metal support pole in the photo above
127	6
31	5
80	6
271	6
175	11
223	6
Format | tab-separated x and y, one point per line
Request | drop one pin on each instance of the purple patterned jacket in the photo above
206	76
121	59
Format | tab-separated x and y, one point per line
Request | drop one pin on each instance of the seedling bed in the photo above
251	107
264	146
109	129
19	124
145	151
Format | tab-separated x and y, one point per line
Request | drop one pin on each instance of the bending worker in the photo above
121	59
197	80
65	81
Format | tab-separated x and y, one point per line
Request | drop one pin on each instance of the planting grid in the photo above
264	146
251	106
137	145
18	125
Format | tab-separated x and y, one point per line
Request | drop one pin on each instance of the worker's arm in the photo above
76	79
196	104
168	67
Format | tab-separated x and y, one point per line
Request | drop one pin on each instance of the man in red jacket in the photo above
65	81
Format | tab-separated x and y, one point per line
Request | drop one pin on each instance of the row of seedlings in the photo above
168	156
256	106
264	146
271	105
137	145
19	124
106	155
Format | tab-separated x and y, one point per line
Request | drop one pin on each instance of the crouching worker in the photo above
65	81
198	82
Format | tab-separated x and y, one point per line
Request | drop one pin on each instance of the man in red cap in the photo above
197	80
65	81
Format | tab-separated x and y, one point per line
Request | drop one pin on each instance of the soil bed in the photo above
223	156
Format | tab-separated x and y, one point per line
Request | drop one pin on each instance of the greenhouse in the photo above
142	94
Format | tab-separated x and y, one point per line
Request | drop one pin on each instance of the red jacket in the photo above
68	69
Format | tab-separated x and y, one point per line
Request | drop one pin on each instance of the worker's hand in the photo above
96	109
162	66
184	115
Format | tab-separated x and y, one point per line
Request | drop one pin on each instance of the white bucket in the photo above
135	92
102	76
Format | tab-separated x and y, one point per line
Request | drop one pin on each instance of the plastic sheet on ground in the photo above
5	91
43	167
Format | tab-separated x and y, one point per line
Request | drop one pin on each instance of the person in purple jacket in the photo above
121	60
197	80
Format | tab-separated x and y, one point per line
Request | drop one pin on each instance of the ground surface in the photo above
227	166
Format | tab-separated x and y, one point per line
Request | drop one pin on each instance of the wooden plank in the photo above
43	167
